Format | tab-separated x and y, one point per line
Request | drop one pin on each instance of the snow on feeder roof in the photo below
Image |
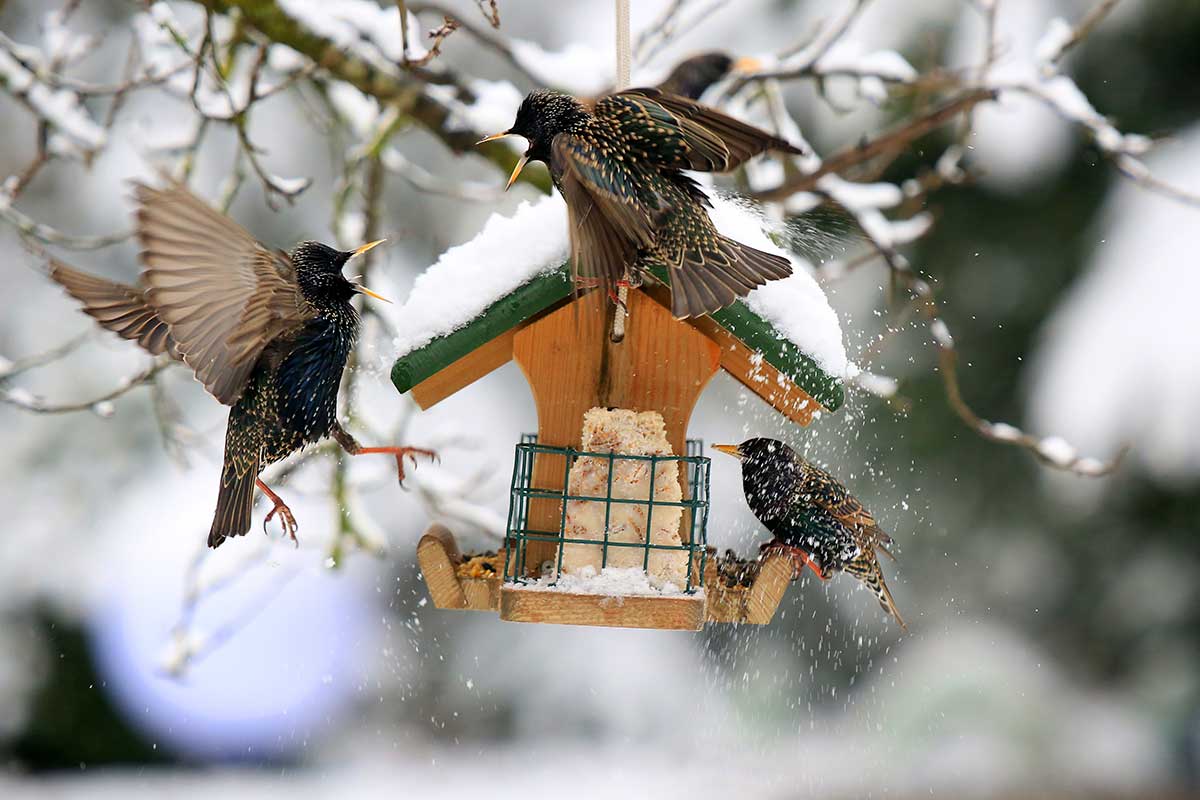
783	341
612	482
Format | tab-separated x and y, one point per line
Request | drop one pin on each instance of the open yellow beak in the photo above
358	251
730	449
369	245
516	171
369	293
493	137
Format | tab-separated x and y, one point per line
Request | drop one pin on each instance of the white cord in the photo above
624	64
624	51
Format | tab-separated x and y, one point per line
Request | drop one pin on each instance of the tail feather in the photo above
235	501
868	572
701	287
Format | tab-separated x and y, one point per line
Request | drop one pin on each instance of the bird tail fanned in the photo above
868	571
702	286
235	501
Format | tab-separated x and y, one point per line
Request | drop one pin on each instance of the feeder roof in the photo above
517	267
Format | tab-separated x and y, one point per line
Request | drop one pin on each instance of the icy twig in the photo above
487	38
102	405
1078	33
891	142
669	26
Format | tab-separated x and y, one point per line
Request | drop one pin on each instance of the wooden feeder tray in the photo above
469	583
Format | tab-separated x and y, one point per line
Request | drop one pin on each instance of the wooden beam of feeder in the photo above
677	612
438	558
774	575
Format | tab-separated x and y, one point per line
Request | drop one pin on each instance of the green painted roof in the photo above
548	289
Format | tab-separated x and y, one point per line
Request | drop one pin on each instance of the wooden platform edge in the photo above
755	605
680	613
438	557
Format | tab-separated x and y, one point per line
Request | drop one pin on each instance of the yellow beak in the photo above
358	251
730	449
369	293
493	137
747	65
364	248
516	171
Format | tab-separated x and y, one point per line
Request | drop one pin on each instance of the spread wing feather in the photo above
223	295
608	217
122	309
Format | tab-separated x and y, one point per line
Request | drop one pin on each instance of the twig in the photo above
1083	29
890	141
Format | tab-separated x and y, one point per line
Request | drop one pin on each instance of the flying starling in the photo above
267	333
811	515
619	162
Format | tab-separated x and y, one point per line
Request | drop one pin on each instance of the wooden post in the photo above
438	558
571	365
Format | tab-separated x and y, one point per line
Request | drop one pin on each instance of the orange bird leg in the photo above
286	520
805	559
614	295
399	453
351	446
800	559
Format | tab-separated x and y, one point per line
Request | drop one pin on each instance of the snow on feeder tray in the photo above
469	314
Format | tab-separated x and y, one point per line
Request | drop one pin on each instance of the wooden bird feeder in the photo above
561	342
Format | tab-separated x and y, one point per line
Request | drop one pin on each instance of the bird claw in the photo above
412	453
287	521
799	558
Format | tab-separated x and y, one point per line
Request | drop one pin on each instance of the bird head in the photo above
542	116
319	272
757	452
692	77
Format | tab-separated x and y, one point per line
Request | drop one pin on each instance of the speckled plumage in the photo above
267	333
813	517
290	399
619	162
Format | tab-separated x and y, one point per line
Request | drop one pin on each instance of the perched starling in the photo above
619	161
812	516
691	77
266	332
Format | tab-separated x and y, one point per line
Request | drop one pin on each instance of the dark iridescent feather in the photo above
808	510
618	162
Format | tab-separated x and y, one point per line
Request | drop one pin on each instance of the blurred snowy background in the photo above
1054	648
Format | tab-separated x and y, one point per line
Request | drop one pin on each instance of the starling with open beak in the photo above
267	333
619	162
812	517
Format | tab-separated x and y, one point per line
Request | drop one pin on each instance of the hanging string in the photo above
624	51
624	65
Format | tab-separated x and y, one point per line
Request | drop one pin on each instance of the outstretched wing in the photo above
122	309
674	131
223	295
609	215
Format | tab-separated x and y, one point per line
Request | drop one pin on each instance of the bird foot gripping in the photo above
800	559
400	453
287	520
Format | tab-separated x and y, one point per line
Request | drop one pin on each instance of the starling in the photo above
691	77
811	515
619	162
267	333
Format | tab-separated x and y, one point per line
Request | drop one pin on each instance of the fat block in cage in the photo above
625	432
